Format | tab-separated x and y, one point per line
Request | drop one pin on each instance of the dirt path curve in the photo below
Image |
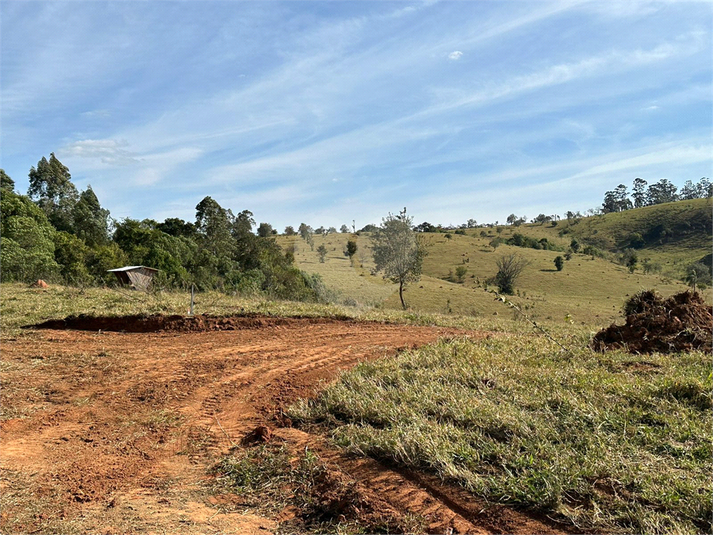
107	432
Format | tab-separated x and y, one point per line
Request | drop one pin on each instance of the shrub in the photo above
460	273
559	263
509	269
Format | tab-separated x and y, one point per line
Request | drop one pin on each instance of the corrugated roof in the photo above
131	268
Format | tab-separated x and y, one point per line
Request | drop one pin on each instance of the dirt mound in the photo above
175	323
683	322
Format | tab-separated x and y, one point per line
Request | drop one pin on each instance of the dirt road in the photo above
107	432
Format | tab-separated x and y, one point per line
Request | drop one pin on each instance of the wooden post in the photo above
193	287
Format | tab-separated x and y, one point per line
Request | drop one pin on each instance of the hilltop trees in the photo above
661	192
398	251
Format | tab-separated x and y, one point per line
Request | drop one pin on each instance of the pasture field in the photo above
589	290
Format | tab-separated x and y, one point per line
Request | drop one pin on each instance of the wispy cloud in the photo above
291	108
108	151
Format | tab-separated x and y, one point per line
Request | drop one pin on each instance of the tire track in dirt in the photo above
130	423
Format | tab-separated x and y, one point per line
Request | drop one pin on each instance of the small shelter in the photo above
138	277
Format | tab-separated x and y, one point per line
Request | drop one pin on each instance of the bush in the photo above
509	269
460	273
559	263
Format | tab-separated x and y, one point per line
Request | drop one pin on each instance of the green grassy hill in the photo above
673	235
589	290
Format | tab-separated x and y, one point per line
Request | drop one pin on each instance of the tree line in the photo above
60	234
645	194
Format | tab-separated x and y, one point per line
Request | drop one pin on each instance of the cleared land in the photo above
117	431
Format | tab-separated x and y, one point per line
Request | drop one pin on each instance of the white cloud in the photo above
455	55
109	151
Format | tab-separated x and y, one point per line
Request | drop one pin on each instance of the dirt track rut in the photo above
110	432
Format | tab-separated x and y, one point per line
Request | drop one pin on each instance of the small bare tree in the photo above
509	269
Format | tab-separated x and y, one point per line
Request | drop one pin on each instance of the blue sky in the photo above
328	112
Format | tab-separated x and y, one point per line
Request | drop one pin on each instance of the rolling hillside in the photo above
589	290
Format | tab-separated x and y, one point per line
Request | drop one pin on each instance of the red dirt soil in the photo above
683	322
109	432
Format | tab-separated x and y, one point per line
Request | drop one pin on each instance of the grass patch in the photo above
612	442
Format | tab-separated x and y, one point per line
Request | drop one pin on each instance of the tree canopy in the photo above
398	251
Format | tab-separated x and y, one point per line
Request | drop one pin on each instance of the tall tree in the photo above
52	189
705	188
616	200
639	192
661	192
6	183
398	251
90	221
217	228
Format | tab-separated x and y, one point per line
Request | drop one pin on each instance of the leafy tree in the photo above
616	200
242	224
559	263
509	269
331	230
103	258
574	245
173	226
698	274
472	223
71	254
27	240
217	227
542	219
6	183
370	228
52	189
630	259
639	192
351	248
306	234
705	188
425	227
264	230
290	231
661	192
305	231
688	191
344	229
322	252
398	252
90	221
